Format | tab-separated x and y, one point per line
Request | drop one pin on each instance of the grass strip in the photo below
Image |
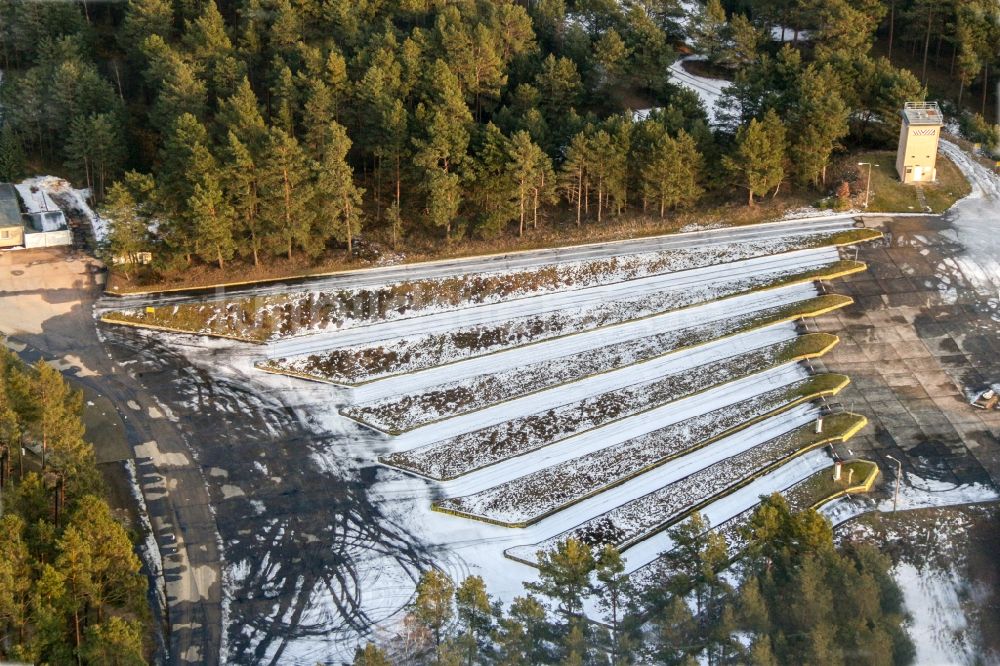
637	520
261	318
555	488
820	488
467	452
809	493
399	414
352	366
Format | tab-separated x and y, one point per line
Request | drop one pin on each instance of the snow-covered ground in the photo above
709	91
976	220
678	424
42	193
938	625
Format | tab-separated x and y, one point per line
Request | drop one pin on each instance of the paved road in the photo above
46	299
920	339
495	263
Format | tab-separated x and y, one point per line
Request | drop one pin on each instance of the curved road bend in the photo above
46	298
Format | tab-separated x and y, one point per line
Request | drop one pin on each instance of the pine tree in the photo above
11	154
616	594
15	579
676	629
185	160
575	173
574	644
759	158
95	148
338	83
743	43
115	576
607	169
761	653
240	114
819	120
57	409
532	171
710	31
213	221
182	92
207	42
316	115
672	176
371	655
752	612
651	53
564	575
612	54
115	642
522	634
241	180
75	565
475	615
491	182
284	97
286	193
559	84
441	145
52	610
126	211
473	56
338	199
845	29
432	607
144	18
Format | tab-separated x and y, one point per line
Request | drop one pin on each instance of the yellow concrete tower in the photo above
918	142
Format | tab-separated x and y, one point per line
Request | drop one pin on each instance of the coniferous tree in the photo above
532	171
616	594
206	40
95	148
286	194
559	85
743	43
672	177
523	633
213	220
127	211
144	18
758	162
819	120
575	173
441	145
56	407
564	575
243	187
11	154
15	580
432	607
677	640
185	160
710	31
284	97
240	114
371	655
116	641
494	189
338	199
474	611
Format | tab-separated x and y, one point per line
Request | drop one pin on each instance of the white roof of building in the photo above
922	113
